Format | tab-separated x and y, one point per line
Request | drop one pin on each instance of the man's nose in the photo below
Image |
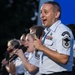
42	15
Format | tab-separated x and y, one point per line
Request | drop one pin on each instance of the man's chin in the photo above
44	25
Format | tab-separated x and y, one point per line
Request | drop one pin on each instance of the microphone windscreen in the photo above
39	31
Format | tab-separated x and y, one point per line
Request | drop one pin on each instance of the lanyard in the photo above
45	37
43	43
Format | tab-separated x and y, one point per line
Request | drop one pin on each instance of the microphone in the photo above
16	45
39	33
14	56
9	59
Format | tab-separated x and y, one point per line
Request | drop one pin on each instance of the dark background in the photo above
16	17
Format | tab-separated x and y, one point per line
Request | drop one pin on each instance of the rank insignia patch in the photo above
66	42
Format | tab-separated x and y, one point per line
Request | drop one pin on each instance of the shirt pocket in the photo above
48	42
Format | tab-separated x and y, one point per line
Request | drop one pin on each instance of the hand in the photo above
20	53
12	68
38	43
4	62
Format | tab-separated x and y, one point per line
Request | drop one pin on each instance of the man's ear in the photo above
57	15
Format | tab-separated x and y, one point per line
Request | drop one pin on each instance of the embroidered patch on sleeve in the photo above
66	42
65	33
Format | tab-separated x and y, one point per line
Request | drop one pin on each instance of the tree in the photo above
15	19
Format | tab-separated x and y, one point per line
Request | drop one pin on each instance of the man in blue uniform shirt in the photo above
57	43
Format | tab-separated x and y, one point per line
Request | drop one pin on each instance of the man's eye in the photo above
45	12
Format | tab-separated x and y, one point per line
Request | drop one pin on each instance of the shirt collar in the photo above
46	30
53	27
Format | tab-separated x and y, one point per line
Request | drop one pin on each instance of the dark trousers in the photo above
73	70
60	73
21	74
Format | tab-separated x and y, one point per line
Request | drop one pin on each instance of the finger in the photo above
15	50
